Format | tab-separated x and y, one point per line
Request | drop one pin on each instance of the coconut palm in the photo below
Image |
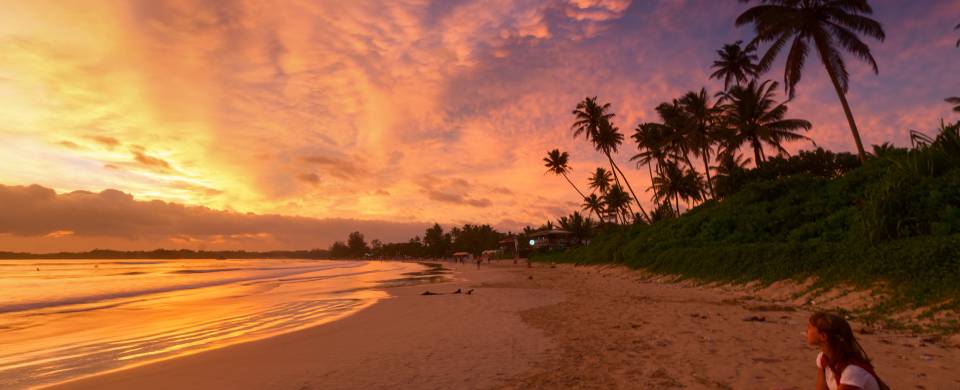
617	201
754	117
593	121
728	163
594	204
667	183
651	139
736	63
725	179
600	181
589	116
556	162
678	183
702	118
829	26
577	224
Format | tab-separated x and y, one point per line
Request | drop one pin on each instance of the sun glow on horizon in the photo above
399	112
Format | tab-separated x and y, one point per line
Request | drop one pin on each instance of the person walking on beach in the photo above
842	363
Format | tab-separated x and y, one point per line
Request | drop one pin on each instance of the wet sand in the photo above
563	327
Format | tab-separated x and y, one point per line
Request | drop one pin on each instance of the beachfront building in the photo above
509	247
554	239
462	257
491	254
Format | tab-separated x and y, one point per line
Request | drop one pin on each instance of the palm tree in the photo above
828	25
727	163
755	118
678	183
578	225
593	121
651	139
607	140
955	100
556	162
736	63
600	181
594	203
702	117
589	116
667	184
617	201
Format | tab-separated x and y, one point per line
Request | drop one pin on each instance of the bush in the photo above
894	220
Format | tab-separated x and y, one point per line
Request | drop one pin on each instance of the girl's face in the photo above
814	336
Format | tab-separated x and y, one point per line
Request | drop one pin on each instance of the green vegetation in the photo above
890	218
894	220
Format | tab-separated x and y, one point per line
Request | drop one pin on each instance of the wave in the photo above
95	298
205	271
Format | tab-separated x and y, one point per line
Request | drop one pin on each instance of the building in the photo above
551	239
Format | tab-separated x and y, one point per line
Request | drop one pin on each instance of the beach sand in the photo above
546	327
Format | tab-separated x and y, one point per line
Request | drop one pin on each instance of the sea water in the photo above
64	319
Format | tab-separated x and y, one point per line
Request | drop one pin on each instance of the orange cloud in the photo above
320	109
83	220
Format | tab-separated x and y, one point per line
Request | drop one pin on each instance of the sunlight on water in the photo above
63	319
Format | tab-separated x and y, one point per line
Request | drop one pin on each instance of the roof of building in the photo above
554	232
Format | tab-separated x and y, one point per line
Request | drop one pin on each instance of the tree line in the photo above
697	148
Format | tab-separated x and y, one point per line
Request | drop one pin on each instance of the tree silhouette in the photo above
594	204
827	25
702	118
556	162
735	63
753	117
600	180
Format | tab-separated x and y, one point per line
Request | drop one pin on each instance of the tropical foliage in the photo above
827	26
894	218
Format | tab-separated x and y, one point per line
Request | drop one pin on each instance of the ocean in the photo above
64	319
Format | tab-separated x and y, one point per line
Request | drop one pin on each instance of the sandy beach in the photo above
546	327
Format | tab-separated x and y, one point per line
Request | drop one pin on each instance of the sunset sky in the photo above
250	125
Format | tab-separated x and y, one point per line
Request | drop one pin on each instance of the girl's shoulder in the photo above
858	376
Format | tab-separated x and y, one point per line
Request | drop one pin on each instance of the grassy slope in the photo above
838	230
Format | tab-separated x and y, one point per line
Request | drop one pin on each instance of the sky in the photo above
257	125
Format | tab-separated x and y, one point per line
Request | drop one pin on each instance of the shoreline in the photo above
431	341
548	326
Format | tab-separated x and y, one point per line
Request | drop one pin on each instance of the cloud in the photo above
342	169
69	144
243	100
150	162
450	197
37	218
311	178
108	142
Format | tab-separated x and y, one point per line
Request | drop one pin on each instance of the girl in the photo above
842	363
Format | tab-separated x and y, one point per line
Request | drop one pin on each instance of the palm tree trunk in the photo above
677	197
656	198
757	149
645	216
613	168
574	186
846	110
706	168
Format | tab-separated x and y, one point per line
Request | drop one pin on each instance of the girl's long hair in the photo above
844	347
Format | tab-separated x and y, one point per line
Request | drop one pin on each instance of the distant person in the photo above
842	363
